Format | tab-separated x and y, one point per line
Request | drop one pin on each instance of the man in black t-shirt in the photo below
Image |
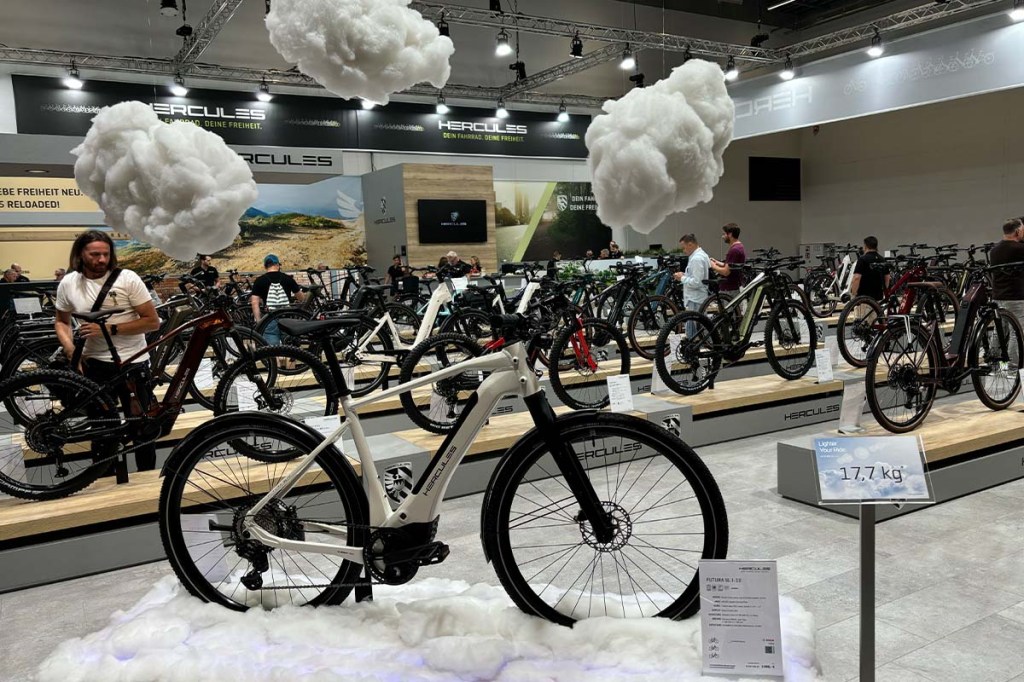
276	289
1008	285
205	272
396	273
867	279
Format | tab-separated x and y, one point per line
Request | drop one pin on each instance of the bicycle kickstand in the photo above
121	468
364	588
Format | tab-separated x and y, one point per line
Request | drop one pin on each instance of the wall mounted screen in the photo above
774	179
452	221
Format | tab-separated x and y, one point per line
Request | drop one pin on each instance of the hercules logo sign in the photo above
481	127
198	111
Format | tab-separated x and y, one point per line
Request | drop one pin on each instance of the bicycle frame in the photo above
510	373
439	298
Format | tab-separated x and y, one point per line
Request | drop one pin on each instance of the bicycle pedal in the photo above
432	553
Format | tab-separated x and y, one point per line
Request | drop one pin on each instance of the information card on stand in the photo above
876	469
739	618
620	393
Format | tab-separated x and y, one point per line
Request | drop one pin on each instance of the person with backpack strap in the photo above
273	289
93	283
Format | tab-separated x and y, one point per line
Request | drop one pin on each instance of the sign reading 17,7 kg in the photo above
876	469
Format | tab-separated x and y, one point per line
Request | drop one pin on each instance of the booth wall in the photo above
948	172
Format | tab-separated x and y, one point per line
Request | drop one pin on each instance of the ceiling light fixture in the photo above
780	4
502	48
169	8
442	26
877	49
1017	13
637	80
576	47
36	171
628	62
563	115
441	108
731	72
520	68
367	104
72	80
179	89
787	73
264	92
502	112
496	6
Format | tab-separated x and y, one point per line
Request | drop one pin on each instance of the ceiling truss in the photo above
208	29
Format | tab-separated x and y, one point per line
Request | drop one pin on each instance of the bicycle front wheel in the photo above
687	354
582	359
210	485
665	505
436	408
994	359
858	325
790	340
646	321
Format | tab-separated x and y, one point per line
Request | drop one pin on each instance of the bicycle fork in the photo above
570	467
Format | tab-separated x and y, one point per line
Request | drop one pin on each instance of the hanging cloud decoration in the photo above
369	49
658	150
172	185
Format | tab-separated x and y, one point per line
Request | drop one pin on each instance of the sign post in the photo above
869	471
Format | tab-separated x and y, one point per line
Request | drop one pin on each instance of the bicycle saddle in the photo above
311	327
97	316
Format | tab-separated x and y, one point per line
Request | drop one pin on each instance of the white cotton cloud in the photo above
360	48
172	185
658	150
429	629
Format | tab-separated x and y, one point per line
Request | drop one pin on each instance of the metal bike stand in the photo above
867	593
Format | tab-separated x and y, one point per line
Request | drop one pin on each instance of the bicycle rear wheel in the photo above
697	357
437	407
646	321
858	325
901	378
46	417
818	287
583	359
790	339
995	366
310	394
210	484
666	506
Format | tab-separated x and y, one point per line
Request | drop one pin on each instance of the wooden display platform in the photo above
968	448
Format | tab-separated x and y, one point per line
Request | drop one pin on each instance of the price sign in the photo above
326	425
877	469
854	396
460	283
246	392
27	306
741	631
204	375
823	363
619	278
348	373
657	384
832	344
1020	394
620	394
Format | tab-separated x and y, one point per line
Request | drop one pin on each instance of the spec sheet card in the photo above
620	393
871	469
739	618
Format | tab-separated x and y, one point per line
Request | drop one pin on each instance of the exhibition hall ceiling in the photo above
136	28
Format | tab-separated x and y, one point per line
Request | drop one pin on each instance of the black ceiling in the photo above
797	15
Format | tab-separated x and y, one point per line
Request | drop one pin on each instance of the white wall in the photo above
948	172
763	223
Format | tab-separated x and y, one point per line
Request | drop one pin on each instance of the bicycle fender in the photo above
527	441
232	419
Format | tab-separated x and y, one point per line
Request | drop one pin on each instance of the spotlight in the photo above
759	39
179	89
184	31
576	47
264	92
687	55
637	80
876	49
72	80
563	115
169	8
367	104
787	73
442	27
37	171
731	72
442	107
502	48
502	112
496	6
628	62
1017	13
520	68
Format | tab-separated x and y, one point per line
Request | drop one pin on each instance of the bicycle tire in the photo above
1008	360
780	332
441	412
470	322
407	322
232	496
29	357
918	402
525	472
265	362
652	316
714	304
816	287
345	344
221	360
855	329
591	391
703	345
76	467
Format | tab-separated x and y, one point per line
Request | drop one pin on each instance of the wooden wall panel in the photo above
436	181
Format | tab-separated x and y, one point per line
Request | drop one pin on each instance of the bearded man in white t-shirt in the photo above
92	260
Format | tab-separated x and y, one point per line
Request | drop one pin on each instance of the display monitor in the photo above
774	179
452	221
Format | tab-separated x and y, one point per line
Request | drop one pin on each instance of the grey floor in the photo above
950	578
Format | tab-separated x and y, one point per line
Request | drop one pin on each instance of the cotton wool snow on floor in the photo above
431	629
